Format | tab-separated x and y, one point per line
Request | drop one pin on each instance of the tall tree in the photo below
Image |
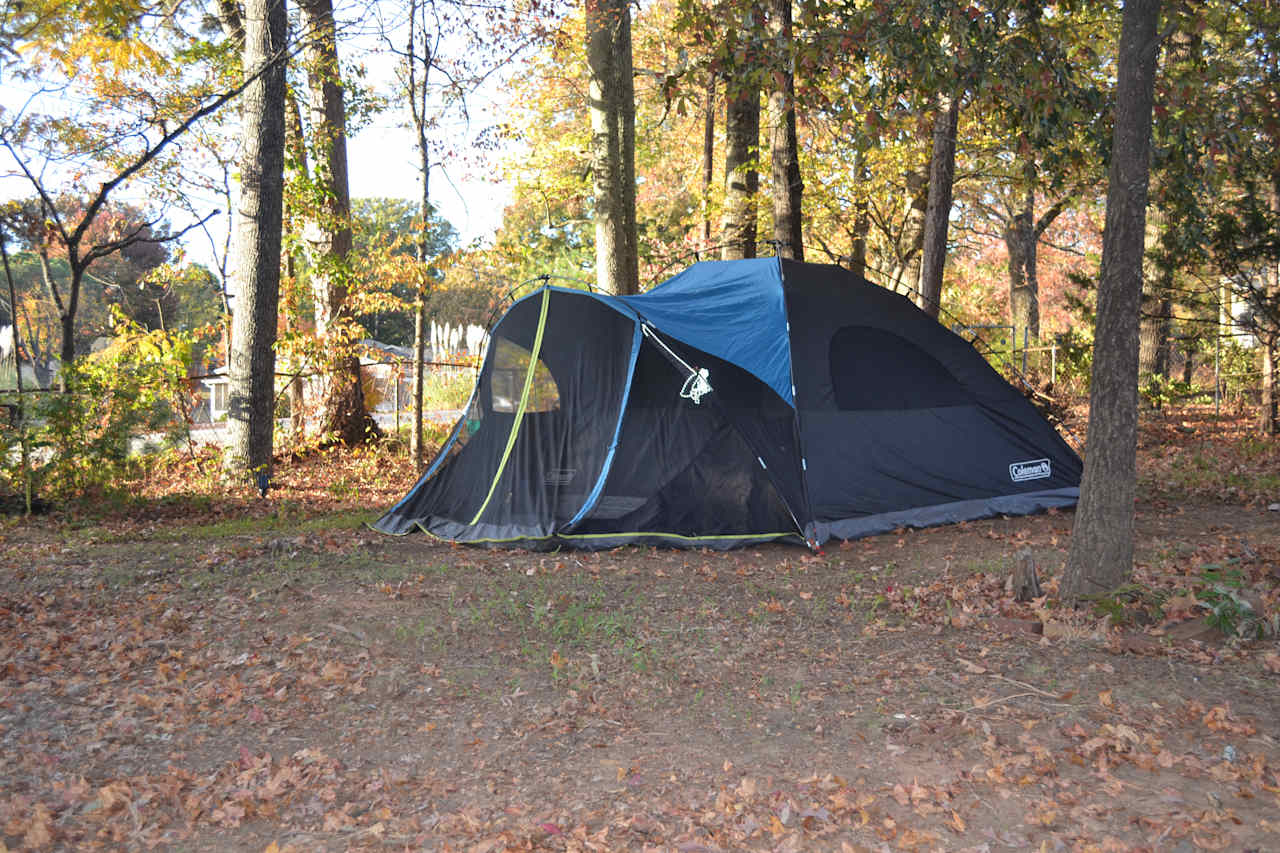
251	371
708	156
741	168
937	216
611	92
1022	232
418	56
1045	109
328	233
788	185
1101	552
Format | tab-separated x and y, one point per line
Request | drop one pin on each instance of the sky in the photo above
383	159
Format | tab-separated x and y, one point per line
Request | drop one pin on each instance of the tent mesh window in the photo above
510	368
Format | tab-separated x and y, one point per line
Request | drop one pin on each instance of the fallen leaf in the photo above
40	831
970	666
334	670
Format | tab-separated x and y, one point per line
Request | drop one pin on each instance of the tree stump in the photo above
1026	583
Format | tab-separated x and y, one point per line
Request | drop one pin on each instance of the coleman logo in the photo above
1036	469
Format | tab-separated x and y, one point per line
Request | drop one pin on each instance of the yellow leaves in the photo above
116	54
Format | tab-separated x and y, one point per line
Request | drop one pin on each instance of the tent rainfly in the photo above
739	402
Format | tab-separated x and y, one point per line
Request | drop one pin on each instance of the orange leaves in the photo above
1220	719
35	828
335	671
113	797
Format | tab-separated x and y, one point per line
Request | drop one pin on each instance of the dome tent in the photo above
738	402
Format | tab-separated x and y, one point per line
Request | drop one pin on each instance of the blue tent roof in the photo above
731	309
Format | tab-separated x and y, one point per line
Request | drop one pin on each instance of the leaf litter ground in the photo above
316	686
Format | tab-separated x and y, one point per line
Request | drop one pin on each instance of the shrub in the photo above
80	438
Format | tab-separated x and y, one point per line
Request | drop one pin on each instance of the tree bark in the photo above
1269	417
788	186
613	142
937	216
708	157
417	93
1020	239
861	222
910	240
1101	552
741	178
1155	322
1269	420
295	149
341	397
251	370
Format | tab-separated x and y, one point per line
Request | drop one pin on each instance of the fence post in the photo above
1217	375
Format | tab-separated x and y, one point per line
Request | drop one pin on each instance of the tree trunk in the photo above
1269	420
1024	286
613	142
295	149
861	222
937	217
1101	553
741	178
67	310
708	157
419	58
251	370
1164	351
1150	328
910	241
788	186
341	405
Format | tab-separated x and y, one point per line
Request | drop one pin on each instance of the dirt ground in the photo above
322	687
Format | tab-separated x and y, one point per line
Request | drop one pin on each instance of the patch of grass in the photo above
283	521
1131	604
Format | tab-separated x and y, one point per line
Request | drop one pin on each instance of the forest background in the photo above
952	152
